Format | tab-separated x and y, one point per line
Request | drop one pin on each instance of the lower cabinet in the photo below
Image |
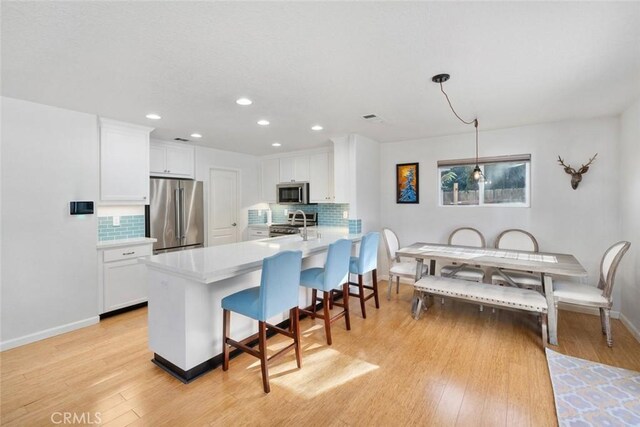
122	280
256	233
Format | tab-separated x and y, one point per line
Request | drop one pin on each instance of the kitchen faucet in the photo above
304	217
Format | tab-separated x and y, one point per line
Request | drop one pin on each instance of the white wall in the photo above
583	222
367	175
628	278
249	186
49	263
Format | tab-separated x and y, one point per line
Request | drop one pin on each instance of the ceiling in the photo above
327	63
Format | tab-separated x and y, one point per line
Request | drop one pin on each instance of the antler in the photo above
568	169
585	168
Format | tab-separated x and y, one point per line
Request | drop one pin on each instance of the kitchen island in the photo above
186	288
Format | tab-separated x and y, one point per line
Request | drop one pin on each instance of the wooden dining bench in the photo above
481	293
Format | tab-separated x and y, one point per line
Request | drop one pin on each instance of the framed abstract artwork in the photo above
407	183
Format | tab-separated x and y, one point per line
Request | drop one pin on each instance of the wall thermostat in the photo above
81	208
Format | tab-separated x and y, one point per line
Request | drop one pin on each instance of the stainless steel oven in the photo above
293	193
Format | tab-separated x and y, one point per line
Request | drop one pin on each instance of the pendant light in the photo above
441	78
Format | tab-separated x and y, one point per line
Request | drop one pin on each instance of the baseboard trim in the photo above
630	326
47	333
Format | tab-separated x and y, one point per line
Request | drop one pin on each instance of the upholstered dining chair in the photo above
398	267
517	240
465	236
595	296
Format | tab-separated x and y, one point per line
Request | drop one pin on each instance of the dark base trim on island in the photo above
208	365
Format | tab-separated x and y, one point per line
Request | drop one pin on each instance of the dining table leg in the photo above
552	312
416	304
419	264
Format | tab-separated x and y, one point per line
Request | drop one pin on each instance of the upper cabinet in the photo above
169	159
316	168
321	177
124	162
294	169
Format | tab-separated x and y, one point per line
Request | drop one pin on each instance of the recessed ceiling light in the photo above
196	135
316	127
276	144
153	116
263	122
244	101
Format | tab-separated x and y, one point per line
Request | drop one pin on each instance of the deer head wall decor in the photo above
576	177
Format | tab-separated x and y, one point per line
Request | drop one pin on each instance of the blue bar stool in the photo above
367	261
335	273
278	291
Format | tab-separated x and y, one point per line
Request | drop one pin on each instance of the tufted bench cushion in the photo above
504	296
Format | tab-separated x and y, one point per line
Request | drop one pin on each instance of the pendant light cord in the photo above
473	122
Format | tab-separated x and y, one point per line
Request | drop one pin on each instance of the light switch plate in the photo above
345	214
116	221
286	212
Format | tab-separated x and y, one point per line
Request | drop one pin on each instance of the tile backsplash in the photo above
130	226
329	214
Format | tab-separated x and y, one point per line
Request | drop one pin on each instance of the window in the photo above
506	182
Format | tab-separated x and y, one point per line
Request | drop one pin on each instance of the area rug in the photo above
593	394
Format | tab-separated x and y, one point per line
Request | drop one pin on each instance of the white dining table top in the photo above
539	262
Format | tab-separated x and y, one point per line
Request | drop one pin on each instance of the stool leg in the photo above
345	302
327	316
226	317
295	316
374	273
262	343
361	293
314	297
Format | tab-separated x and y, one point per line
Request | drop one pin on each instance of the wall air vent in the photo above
181	139
372	118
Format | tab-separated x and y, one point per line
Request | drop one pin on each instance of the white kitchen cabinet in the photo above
124	162
122	280
168	159
270	178
321	177
294	168
258	232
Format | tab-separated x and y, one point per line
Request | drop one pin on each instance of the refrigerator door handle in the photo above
176	205
182	216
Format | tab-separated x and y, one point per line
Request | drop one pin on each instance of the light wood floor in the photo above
455	366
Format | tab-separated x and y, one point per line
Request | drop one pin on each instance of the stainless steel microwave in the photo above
293	193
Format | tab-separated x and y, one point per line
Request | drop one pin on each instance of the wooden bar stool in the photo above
278	292
335	273
367	261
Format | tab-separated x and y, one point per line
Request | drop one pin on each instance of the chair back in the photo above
609	266
517	240
336	269
279	283
467	236
368	257
392	244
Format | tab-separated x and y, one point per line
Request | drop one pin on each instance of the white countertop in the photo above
125	242
215	263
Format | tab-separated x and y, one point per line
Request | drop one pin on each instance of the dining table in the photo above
546	264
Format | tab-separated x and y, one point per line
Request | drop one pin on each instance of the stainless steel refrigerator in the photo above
175	214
